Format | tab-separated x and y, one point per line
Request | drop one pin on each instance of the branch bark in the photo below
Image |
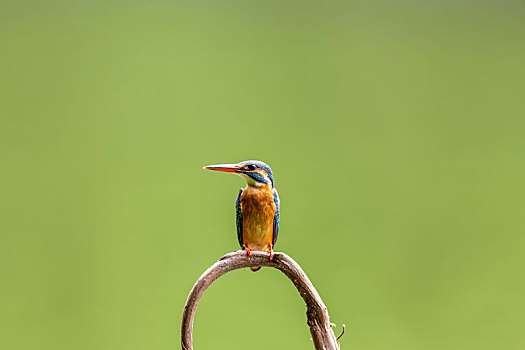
316	312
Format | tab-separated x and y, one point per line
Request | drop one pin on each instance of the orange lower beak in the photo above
226	168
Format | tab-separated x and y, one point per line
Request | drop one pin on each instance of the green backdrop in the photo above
395	131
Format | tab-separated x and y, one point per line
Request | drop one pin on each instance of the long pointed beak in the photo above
227	168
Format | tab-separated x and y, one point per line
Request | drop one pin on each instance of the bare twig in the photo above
316	312
343	332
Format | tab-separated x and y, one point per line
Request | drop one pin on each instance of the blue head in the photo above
255	172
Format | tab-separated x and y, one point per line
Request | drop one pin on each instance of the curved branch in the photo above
316	312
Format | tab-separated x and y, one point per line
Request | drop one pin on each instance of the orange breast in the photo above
258	211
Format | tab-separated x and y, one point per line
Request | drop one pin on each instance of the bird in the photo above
257	207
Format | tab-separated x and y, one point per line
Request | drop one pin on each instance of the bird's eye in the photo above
250	167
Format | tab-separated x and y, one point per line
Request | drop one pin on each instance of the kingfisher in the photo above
256	207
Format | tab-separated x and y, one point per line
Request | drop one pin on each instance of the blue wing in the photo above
276	217
238	218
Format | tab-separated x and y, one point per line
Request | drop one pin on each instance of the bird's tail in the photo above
255	268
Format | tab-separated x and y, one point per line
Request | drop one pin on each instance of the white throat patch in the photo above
252	182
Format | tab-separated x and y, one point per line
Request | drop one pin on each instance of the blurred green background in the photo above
395	131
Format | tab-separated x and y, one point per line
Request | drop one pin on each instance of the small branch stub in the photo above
316	312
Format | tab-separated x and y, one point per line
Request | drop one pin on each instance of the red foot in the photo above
248	250
270	251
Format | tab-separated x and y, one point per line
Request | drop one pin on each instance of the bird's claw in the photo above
248	250
270	251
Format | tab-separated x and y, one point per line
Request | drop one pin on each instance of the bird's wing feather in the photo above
276	217
238	218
